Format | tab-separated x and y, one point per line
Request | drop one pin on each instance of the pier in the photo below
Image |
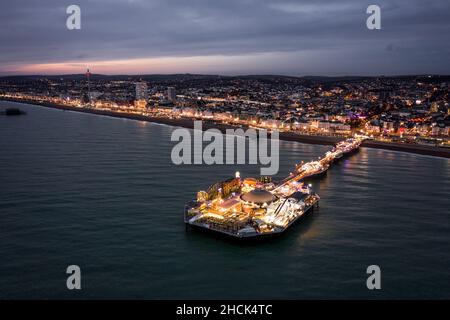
313	168
249	208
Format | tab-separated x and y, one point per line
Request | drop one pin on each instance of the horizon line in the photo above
230	75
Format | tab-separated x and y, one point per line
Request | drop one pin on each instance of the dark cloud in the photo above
328	37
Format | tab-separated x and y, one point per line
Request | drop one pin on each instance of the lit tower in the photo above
140	102
141	90
88	75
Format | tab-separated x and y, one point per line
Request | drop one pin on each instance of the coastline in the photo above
286	136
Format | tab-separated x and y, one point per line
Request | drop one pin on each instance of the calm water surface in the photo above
102	193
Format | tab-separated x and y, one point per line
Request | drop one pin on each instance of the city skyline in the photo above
233	38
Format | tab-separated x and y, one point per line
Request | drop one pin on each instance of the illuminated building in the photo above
141	95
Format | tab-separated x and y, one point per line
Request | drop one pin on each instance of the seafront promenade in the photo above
285	135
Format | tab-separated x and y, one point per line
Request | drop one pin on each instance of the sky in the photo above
230	37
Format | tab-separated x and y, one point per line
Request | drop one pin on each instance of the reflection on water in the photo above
102	193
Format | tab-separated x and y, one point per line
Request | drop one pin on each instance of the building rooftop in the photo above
258	196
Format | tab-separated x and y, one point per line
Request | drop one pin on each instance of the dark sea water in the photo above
102	193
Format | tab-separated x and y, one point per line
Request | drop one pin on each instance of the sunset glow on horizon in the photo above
217	64
161	65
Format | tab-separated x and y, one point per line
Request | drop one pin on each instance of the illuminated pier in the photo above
247	208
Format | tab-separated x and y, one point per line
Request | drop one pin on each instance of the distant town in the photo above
406	109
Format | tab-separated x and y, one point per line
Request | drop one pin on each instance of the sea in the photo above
102	193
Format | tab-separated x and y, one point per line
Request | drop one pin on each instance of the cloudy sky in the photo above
294	37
